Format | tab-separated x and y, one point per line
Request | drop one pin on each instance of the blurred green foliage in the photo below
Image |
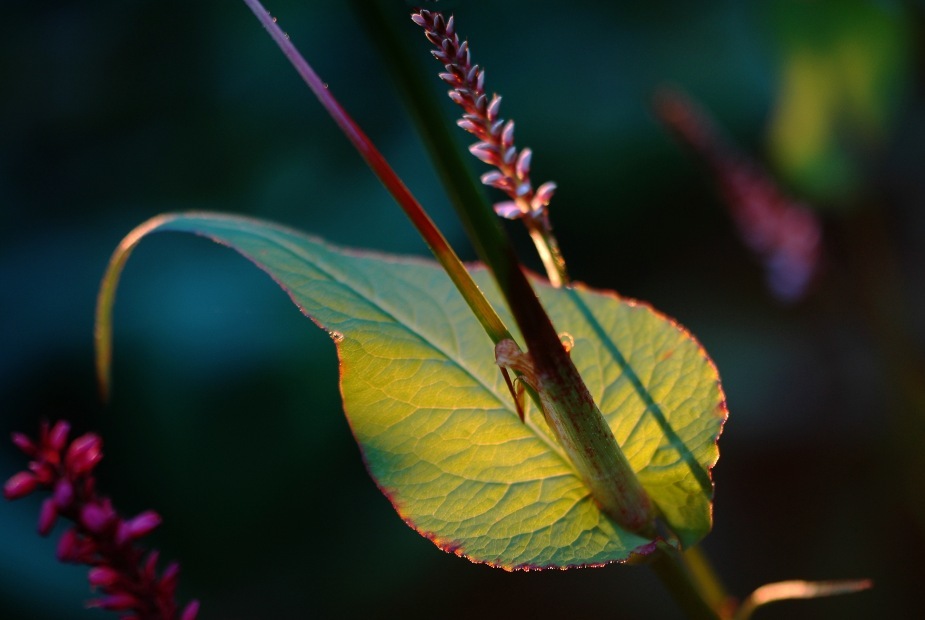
843	69
226	414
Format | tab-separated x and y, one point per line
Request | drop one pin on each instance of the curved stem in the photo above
788	590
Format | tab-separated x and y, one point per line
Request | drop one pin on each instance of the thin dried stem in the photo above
788	590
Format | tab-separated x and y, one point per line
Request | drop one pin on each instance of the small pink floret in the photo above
20	485
47	516
190	611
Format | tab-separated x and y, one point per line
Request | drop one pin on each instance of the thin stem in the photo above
438	244
548	249
575	419
677	577
789	590
573	416
707	580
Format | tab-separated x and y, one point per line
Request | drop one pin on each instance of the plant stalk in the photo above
548	249
435	240
670	566
575	419
707	580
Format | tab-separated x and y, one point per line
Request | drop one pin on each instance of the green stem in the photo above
707	580
678	578
578	422
548	249
575	419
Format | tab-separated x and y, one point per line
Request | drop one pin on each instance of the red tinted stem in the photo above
435	240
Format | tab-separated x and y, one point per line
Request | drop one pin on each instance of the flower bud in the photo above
68	546
190	611
83	454
57	437
142	525
19	485
24	443
63	493
96	517
47	516
103	577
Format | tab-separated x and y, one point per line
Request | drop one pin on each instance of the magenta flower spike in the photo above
784	233
496	141
100	538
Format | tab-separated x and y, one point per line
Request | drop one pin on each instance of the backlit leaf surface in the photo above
435	421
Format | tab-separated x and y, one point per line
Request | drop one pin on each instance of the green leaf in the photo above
434	419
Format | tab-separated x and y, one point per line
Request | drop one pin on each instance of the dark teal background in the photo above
226	416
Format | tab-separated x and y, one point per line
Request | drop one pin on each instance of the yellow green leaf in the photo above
434	418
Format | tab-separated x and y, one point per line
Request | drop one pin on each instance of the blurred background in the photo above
226	416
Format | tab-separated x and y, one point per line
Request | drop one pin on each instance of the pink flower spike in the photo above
47	516
20	485
481	111
99	538
190	611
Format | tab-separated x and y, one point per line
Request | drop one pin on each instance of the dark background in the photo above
226	416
